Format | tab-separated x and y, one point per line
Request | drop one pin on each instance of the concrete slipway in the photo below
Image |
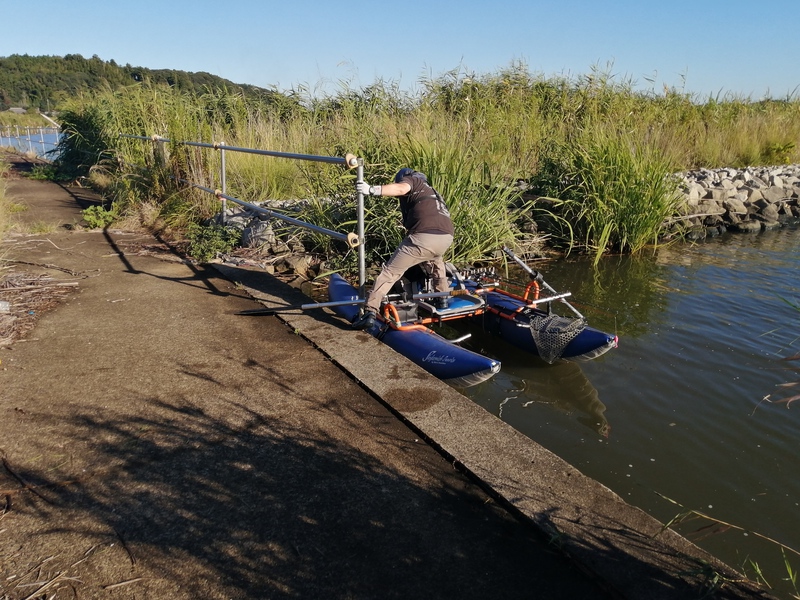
156	445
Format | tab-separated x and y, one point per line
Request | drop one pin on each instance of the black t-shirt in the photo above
424	210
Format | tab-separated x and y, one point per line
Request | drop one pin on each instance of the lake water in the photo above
678	411
32	141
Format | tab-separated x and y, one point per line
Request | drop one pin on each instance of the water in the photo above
677	413
38	143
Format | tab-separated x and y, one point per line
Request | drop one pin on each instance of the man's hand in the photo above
362	187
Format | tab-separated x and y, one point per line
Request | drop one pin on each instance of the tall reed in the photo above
614	191
595	144
5	205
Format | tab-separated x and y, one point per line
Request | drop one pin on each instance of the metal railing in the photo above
349	161
35	140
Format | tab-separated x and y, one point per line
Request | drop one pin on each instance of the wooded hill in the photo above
44	82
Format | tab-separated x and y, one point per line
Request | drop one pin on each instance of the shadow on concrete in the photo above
200	274
273	511
84	198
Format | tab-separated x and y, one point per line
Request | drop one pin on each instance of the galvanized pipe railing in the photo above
351	239
350	161
22	138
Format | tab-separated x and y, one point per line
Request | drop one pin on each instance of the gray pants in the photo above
415	249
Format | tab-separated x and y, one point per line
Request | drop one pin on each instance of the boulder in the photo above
774	194
769	214
299	263
776	181
746	227
711	208
754	194
735	206
258	233
716	194
694	192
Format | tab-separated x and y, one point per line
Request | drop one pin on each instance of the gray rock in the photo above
711	208
695	192
769	214
774	194
735	206
747	227
258	233
299	263
716	194
755	196
239	221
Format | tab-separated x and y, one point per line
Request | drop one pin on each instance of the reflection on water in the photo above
623	294
527	383
563	386
704	333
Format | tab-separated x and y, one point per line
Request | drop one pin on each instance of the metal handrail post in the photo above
362	267
160	150
223	183
349	160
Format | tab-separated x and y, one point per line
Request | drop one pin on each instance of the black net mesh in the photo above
553	333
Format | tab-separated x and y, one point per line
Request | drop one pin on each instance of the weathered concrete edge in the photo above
631	553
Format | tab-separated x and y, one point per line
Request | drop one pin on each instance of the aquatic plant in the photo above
713	526
613	192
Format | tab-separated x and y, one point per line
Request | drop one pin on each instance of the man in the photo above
429	233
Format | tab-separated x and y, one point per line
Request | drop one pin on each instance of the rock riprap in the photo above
744	200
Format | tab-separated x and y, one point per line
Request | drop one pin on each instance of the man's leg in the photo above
437	245
406	256
413	250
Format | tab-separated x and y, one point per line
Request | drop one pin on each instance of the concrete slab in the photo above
632	553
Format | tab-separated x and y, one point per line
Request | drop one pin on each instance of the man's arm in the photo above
390	189
395	189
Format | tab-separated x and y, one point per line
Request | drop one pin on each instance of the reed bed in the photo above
597	149
5	204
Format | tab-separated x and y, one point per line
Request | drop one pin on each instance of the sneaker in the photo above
365	321
442	303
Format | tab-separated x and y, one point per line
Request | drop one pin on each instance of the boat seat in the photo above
466	304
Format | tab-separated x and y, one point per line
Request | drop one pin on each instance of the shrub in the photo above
98	217
207	242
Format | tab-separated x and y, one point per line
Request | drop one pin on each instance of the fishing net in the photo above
553	333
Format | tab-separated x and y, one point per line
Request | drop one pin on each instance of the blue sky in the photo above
712	47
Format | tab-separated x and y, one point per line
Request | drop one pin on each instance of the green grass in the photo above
601	150
26	120
6	206
614	192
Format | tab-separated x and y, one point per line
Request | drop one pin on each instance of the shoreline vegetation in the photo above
581	165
